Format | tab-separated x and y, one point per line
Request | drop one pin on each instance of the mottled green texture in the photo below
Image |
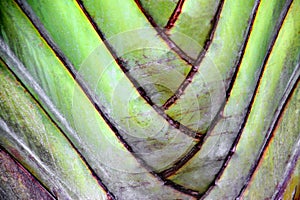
196	22
148	59
275	79
37	143
142	127
159	10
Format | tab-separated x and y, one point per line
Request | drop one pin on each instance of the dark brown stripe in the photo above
197	62
233	147
173	18
180	188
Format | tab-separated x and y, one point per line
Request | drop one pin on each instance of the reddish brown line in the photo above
173	18
196	64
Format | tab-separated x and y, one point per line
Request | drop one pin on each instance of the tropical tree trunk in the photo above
144	99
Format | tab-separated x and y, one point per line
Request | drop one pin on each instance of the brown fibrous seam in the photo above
97	178
172	45
270	132
237	139
28	173
195	66
180	163
38	25
173	18
122	64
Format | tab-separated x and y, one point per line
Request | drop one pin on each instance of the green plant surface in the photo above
142	99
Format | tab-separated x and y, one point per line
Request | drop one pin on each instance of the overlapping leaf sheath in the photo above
136	99
283	147
278	80
279	71
49	81
146	132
